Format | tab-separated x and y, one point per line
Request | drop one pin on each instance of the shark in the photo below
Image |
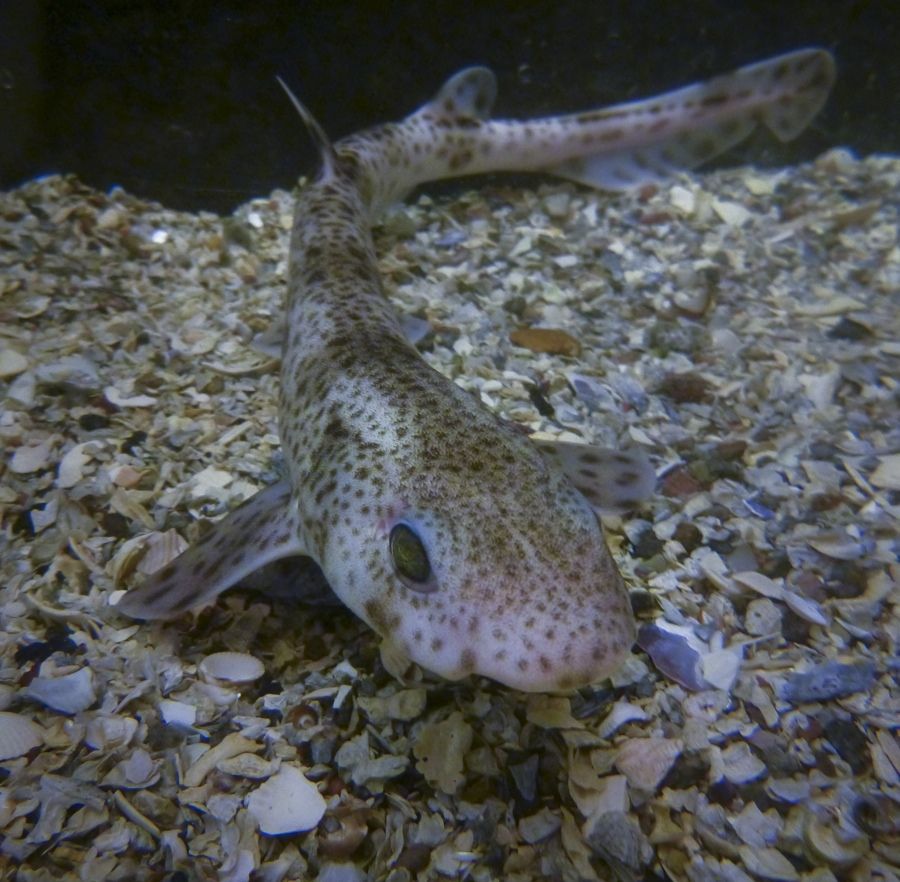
467	545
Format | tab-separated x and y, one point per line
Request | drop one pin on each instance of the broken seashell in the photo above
789	790
247	765
768	863
835	846
137	772
887	475
831	306
407	704
18	735
33	457
721	667
68	694
114	396
805	608
231	745
618	839
125	476
683	199
675	652
828	680
177	713
441	749
761	584
732	213
539	826
551	712
762	617
646	761
287	803
549	340
231	667
71	467
739	764
107	731
622	712
840	545
12	363
350	832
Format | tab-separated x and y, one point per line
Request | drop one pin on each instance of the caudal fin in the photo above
649	140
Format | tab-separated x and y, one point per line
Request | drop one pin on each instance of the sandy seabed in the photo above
740	326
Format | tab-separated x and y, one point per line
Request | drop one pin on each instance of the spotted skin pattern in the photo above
519	583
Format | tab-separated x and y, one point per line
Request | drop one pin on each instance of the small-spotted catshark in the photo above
469	546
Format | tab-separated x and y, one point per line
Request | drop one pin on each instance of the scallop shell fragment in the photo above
18	735
287	803
231	667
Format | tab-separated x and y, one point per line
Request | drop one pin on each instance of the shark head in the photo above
467	547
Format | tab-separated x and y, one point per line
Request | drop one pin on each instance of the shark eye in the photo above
410	558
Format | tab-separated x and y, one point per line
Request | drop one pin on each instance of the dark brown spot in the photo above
467	661
376	615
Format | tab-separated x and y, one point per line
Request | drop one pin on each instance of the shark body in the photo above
470	547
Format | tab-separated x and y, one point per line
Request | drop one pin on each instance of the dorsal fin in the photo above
317	133
468	94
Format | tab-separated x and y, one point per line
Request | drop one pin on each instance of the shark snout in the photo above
531	652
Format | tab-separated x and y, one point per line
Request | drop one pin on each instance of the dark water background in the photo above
177	100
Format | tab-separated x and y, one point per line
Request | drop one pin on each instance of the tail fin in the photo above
806	78
323	145
682	129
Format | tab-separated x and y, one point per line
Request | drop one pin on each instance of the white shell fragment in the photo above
68	694
114	396
247	765
646	761
177	713
11	363
887	475
732	213
739	764
231	667
230	746
106	732
18	735
287	803
33	457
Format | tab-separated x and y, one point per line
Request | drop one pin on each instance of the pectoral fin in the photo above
263	529
612	481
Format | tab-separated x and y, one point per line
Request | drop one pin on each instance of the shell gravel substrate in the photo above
741	327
